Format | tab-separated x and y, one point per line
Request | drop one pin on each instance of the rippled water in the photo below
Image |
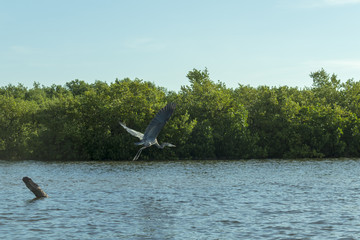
182	200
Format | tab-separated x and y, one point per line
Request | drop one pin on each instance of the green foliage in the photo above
16	127
79	121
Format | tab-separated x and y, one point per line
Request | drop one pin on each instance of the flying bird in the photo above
153	129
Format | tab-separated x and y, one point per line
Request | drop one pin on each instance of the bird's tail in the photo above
139	143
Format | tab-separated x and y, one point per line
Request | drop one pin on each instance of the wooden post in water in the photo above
39	193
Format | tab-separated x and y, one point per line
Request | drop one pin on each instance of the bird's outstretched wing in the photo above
132	131
158	122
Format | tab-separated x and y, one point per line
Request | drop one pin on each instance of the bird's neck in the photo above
159	146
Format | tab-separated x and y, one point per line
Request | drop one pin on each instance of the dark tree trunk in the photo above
39	193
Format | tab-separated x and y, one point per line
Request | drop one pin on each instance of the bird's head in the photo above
165	144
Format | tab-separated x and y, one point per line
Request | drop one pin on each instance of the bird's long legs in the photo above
138	153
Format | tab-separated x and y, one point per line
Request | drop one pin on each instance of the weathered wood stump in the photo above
39	193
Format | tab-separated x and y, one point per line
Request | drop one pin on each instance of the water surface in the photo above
273	199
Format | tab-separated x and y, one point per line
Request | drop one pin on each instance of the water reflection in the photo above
155	217
34	200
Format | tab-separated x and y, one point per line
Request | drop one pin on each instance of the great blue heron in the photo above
153	129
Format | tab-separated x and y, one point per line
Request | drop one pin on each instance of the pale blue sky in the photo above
255	42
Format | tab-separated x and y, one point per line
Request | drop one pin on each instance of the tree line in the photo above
79	121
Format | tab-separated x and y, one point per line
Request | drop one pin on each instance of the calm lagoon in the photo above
253	199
